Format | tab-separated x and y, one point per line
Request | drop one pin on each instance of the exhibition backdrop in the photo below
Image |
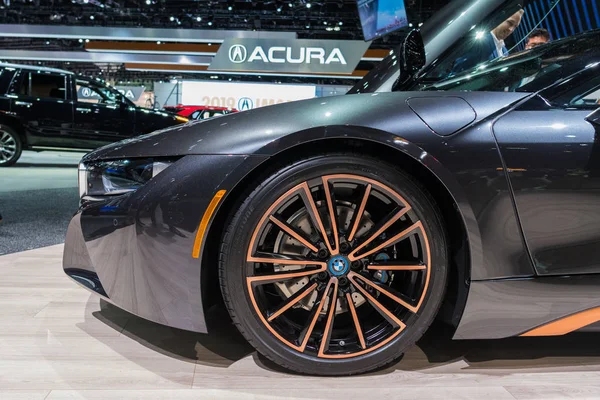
243	96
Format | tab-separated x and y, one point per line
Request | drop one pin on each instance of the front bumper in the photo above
135	249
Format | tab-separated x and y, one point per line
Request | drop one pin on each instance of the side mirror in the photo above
412	59
413	52
594	118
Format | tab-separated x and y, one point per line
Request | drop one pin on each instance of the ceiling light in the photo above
324	22
290	5
198	19
209	23
337	28
230	8
158	42
172	19
148	2
278	9
340	23
308	5
80	40
92	17
87	40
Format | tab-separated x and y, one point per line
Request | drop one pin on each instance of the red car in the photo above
199	112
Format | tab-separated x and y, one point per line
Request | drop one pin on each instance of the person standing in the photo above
537	37
487	47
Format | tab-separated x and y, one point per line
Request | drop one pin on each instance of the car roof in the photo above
35	67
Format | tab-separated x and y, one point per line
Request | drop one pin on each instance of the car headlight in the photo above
117	176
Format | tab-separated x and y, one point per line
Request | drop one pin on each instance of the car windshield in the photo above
531	70
467	34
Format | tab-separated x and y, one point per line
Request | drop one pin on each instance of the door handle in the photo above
83	110
23	103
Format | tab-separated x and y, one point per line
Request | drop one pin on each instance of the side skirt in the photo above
541	306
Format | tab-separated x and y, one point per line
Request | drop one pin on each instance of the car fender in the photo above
288	143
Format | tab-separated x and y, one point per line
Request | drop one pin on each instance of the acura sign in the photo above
291	56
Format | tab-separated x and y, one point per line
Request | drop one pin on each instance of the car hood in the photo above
259	131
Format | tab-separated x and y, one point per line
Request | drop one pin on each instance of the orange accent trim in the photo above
290	304
567	324
194	67
182	48
336	238
370	349
331	313
313	206
166	67
360	212
361	337
152	47
293	234
352	275
264	320
332	281
375	53
397	267
353	257
212	206
280	277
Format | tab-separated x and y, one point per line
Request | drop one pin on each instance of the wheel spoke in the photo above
398	267
293	233
359	332
385	313
293	300
311	207
330	317
331	206
314	316
358	213
387	292
269	258
396	216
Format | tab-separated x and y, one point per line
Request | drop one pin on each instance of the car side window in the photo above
581	92
43	85
89	94
195	115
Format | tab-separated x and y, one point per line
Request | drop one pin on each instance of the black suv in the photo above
40	109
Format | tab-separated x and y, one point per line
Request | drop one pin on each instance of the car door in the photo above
551	151
41	100
100	115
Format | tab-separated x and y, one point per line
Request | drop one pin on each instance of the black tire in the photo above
11	146
233	267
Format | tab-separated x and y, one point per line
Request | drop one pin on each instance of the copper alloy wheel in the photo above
338	266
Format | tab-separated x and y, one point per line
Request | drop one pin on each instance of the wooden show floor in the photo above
57	341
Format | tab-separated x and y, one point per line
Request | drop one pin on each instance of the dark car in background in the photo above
199	112
40	109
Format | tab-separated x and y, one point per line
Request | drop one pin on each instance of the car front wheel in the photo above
334	265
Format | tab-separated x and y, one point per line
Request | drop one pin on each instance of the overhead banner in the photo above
303	56
242	96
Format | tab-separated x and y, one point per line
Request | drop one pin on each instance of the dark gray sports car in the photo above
337	229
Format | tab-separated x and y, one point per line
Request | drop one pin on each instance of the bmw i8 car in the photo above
337	229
